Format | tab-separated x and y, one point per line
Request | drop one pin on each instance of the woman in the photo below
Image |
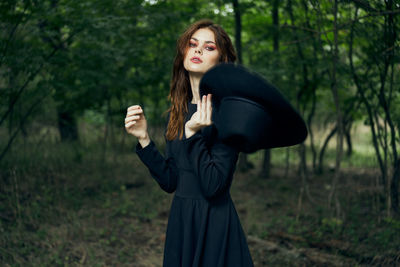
203	226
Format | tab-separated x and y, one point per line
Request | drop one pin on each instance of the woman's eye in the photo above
210	48
192	44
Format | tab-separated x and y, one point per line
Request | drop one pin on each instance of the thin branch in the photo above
24	118
31	77
11	35
360	89
339	27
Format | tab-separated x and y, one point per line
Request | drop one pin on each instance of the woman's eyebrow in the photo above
207	42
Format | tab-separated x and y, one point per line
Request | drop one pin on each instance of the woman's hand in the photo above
201	118
136	124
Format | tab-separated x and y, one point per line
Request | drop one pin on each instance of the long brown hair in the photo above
180	92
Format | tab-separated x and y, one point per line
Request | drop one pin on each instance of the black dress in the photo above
203	226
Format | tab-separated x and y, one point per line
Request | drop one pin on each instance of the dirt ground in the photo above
280	231
124	224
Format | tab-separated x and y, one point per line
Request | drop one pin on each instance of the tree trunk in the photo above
347	133
238	30
389	62
365	101
67	125
313	85
339	120
309	123
287	162
323	149
266	164
394	188
305	85
243	164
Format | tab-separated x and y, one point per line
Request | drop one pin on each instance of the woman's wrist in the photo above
144	140
189	132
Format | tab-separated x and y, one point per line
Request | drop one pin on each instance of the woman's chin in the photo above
197	70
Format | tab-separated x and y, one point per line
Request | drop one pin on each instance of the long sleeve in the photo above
163	170
214	166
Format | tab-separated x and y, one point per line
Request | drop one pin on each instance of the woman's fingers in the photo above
133	108
204	109
202	117
134	112
132	118
201	113
208	109
129	124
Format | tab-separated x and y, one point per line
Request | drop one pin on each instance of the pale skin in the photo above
202	54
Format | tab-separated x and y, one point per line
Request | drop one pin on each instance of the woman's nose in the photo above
199	50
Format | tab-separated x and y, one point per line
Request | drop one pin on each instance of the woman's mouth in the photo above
196	60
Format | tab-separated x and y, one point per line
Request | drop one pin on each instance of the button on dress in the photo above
203	226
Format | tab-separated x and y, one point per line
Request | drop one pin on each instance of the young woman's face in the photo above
202	53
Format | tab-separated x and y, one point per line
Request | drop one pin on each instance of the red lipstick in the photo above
196	60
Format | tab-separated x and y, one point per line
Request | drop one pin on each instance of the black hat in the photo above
248	112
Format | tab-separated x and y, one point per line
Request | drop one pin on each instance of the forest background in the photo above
73	192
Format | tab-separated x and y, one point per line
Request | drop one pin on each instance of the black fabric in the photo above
203	227
243	124
262	116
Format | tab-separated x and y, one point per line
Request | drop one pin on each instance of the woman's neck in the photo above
194	84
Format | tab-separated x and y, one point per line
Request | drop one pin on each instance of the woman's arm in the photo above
164	171
214	166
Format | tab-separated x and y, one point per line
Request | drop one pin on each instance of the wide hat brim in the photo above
248	112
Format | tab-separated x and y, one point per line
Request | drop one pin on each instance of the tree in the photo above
374	77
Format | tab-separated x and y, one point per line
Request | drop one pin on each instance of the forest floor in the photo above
84	213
